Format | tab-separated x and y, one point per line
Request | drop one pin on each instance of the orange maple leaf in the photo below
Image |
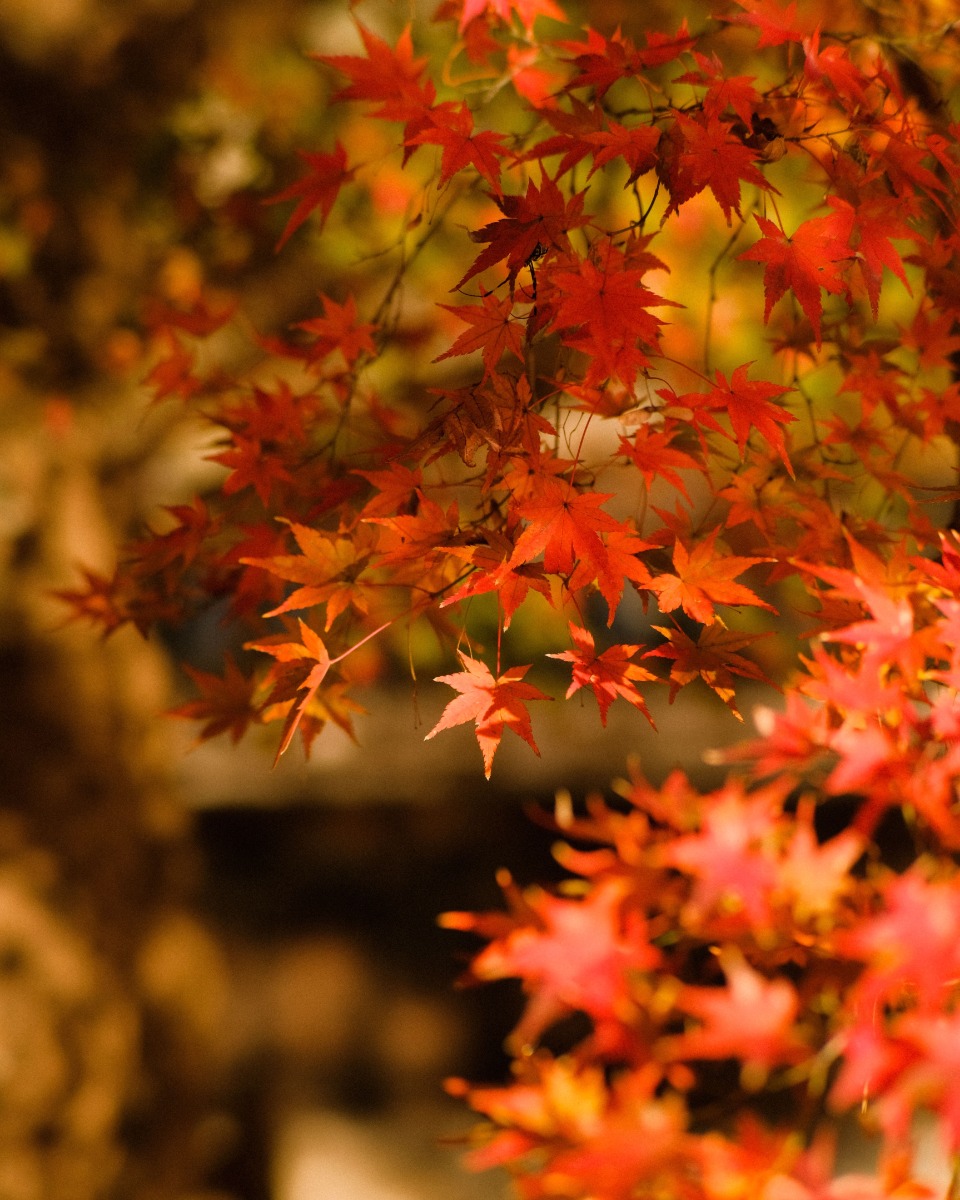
749	405
705	577
609	674
328	570
526	10
303	667
712	657
565	526
573	954
494	703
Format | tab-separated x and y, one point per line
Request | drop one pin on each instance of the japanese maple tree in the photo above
724	250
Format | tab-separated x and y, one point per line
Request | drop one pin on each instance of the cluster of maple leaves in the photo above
748	961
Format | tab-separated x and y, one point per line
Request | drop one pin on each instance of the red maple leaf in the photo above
572	139
776	25
873	223
526	10
634	145
389	76
603	61
494	330
723	91
318	189
225	703
748	405
705	577
494	703
803	263
451	126
609	311
702	152
174	372
532	225
193	526
339	329
609	674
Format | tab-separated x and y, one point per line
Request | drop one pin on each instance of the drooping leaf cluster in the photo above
647	338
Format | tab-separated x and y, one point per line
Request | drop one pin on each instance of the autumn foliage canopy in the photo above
647	341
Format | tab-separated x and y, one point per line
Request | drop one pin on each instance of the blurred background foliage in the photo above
217	981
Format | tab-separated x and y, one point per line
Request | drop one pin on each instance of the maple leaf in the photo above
776	25
609	674
603	61
339	329
572	954
911	947
699	153
495	330
751	1019
194	526
316	190
731	856
712	657
705	577
251	466
493	703
803	263
834	64
493	573
526	10
532	225
303	668
634	145
328	570
225	703
174	372
872	225
104	600
198	317
652	453
748	405
572	139
812	875
723	91
451	127
564	525
608	309
416	537
388	76
623	563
